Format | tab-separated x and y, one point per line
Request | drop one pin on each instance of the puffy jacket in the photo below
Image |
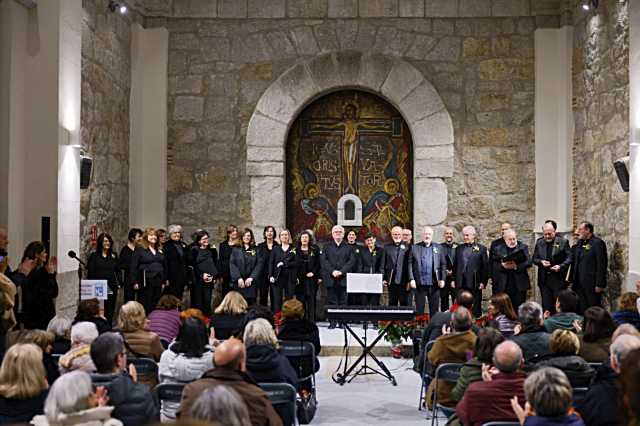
601	404
534	343
568	420
133	402
562	321
266	365
178	368
576	368
627	317
98	416
143	343
78	358
470	372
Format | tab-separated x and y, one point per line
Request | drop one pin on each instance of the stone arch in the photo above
355	201
395	80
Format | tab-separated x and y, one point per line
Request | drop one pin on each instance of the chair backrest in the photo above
595	365
427	368
144	366
579	394
449	372
501	424
56	358
301	356
283	399
169	392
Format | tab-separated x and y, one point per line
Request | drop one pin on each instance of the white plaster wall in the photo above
553	126
148	137
634	121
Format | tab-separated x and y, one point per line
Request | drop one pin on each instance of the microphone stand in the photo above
73	255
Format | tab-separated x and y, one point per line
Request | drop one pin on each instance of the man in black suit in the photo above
336	260
449	247
427	272
395	269
471	268
494	257
511	275
589	268
552	255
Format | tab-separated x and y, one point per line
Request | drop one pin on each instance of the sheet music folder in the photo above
364	283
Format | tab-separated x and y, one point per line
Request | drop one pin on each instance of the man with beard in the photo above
449	248
511	276
336	260
494	257
427	271
589	268
552	256
395	268
471	267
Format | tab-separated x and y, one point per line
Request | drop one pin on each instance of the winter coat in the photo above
266	365
597	351
577	370
98	416
470	372
165	323
143	344
534	342
601	404
13	410
562	321
178	368
133	402
301	329
227	325
627	317
78	358
568	420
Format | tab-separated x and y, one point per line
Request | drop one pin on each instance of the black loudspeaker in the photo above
86	164
622	170
45	232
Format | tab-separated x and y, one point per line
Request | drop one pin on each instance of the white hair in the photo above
259	332
337	228
172	229
510	231
84	332
69	394
428	228
59	326
469	230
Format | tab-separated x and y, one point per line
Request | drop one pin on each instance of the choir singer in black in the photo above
308	262
471	267
427	272
282	271
589	269
337	260
552	256
245	267
449	246
395	269
510	275
372	260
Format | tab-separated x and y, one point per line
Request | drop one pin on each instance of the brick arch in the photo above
393	79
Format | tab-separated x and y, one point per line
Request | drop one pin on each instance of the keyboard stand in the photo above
348	375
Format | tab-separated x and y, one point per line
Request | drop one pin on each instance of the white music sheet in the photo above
364	283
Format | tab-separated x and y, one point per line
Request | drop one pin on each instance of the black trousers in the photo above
201	293
549	296
336	295
518	297
398	295
307	292
110	305
588	298
445	293
370	299
277	295
263	292
431	294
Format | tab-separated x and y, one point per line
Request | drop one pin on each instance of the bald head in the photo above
231	355
507	357
548	232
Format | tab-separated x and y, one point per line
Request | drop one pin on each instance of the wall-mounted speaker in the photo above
86	164
621	166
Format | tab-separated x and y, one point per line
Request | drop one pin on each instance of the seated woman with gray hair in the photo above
549	397
61	329
79	356
72	401
221	404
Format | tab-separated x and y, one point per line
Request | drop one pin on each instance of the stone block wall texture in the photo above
106	86
482	67
601	114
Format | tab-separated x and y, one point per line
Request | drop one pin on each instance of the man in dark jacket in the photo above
133	402
589	268
427	272
494	256
337	259
601	406
532	338
471	267
449	246
510	274
552	256
229	359
395	269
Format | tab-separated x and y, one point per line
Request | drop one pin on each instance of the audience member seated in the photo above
165	319
264	363
295	327
194	312
60	327
23	384
488	339
630	378
221	404
602	405
565	346
186	360
549	398
228	317
625	329
230	366
79	357
627	312
531	335
566	316
43	340
134	327
132	401
595	341
255	312
502	312
72	401
489	400
90	310
456	345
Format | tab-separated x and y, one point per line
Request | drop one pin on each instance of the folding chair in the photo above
595	365
423	373
169	392
283	396
501	424
449	372
302	357
147	370
579	394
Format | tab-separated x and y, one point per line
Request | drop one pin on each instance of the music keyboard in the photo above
369	313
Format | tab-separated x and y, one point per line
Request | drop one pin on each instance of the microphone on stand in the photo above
72	255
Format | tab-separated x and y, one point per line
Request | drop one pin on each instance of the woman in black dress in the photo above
308	267
205	259
245	268
371	262
264	254
124	263
176	252
149	270
352	241
226	247
103	265
282	271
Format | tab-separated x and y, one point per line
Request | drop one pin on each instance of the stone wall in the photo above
106	84
483	68
601	113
